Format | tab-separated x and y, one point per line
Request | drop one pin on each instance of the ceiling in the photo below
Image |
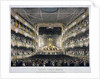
38	15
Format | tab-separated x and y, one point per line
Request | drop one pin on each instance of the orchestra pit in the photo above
50	37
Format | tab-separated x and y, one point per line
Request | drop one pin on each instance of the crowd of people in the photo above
78	52
21	26
21	51
48	61
22	39
78	39
77	27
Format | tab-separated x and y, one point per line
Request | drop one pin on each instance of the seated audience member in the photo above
87	63
81	63
72	63
12	63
